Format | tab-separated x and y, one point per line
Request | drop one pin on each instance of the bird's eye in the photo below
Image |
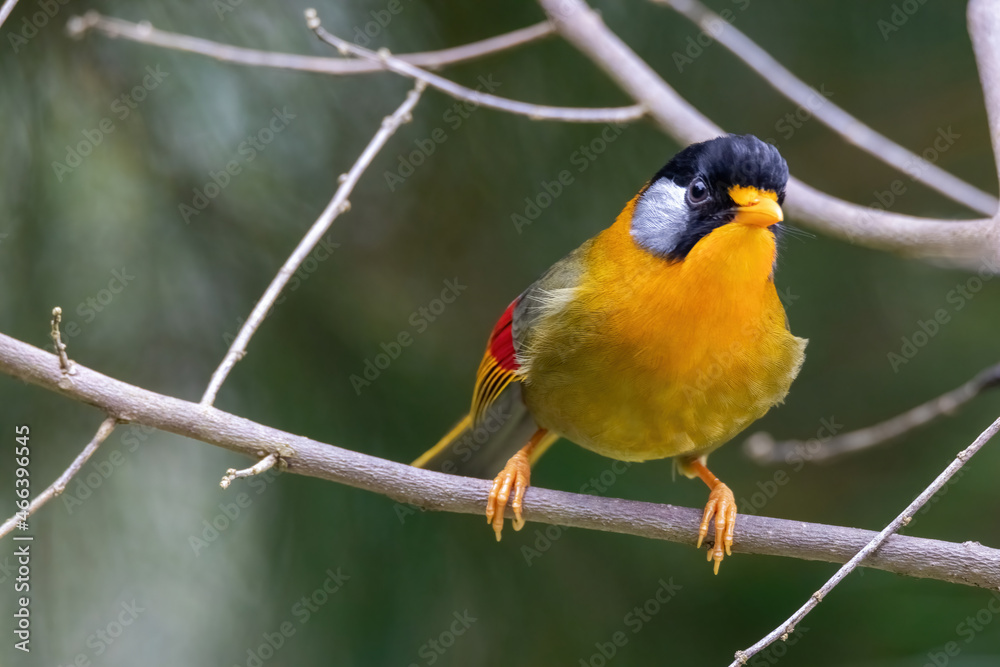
697	191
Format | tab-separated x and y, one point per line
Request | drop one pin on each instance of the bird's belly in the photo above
616	401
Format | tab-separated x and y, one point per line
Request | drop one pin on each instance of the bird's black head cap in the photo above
733	159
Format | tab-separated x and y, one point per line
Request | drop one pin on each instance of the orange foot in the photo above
721	504
517	475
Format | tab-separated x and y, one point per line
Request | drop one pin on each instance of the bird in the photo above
663	336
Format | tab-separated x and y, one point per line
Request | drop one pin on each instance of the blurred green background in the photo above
131	539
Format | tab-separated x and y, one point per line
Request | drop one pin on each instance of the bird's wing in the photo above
508	356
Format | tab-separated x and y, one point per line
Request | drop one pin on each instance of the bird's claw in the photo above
516	476
722	505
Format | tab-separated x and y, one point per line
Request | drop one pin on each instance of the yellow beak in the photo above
761	212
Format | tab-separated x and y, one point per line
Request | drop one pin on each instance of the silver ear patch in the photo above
660	217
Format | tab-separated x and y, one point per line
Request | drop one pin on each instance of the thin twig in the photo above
64	363
6	9
969	563
265	463
144	33
58	486
904	518
337	205
965	242
762	448
828	113
460	92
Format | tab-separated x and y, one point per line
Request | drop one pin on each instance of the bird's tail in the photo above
481	449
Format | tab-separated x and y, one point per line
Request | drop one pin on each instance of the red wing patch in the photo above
498	367
501	344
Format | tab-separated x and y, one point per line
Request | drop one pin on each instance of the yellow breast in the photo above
653	358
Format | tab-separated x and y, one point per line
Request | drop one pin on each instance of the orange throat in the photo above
679	312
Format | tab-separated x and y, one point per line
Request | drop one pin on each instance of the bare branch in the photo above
58	486
144	33
965	242
339	204
263	465
969	563
962	241
459	92
762	448
826	112
6	9
904	518
983	19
